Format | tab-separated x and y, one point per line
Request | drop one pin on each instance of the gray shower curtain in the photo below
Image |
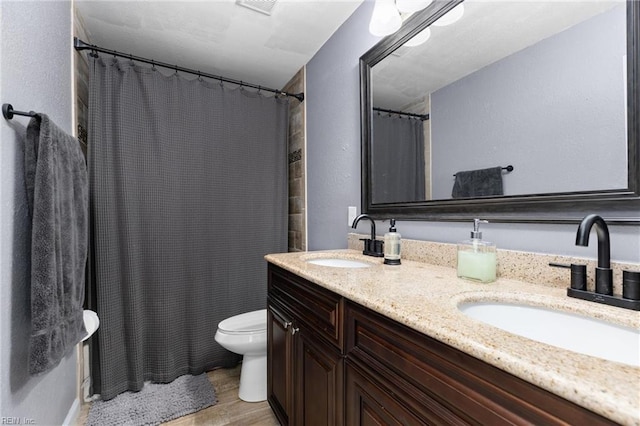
398	166
188	192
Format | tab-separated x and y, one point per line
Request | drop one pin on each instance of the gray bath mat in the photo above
155	403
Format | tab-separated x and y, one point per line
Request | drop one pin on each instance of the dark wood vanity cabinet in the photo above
305	361
396	375
335	362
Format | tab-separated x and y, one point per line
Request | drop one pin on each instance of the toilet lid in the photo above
245	323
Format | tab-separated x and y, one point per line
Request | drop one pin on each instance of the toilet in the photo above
246	334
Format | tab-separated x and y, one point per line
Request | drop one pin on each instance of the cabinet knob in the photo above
294	330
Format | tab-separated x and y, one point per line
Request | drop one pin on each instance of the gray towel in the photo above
57	192
478	183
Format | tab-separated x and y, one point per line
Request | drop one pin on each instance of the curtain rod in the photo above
81	45
409	114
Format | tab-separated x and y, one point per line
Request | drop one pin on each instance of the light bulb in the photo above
411	6
385	19
419	38
451	16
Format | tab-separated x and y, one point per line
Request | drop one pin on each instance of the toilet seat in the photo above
247	323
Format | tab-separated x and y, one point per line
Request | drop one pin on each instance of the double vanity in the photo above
354	341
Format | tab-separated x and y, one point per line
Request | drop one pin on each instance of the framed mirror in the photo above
516	112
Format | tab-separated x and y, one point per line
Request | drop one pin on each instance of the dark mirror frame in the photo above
618	206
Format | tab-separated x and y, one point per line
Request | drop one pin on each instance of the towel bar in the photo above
509	168
8	112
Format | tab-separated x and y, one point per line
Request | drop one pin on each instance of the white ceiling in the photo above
217	36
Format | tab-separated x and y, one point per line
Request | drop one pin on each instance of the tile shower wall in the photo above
81	81
297	194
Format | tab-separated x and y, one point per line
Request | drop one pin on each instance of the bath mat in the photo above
155	403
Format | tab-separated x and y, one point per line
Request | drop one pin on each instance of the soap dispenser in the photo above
476	257
392	240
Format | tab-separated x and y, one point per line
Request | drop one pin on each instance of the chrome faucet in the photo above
604	275
372	247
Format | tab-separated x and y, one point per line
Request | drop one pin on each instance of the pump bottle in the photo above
392	240
476	257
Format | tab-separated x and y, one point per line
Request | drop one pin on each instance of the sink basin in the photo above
565	330
339	263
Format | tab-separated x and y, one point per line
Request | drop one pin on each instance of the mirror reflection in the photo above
539	86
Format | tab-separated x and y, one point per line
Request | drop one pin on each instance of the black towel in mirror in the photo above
478	183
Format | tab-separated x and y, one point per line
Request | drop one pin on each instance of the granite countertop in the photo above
425	297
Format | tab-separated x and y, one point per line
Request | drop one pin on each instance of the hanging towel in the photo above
57	192
478	183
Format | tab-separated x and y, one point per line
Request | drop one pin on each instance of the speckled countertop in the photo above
425	297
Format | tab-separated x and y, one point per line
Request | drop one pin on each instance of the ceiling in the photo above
488	31
217	36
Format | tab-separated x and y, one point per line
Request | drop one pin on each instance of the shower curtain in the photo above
398	166
188	192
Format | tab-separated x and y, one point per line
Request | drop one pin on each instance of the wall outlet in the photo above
353	212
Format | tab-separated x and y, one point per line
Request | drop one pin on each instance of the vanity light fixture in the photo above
385	19
388	16
451	16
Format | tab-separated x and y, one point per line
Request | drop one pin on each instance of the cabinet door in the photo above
319	382
279	362
370	400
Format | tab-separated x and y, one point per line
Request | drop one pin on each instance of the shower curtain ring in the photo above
153	65
199	76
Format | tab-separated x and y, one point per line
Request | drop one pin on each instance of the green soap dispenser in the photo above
476	257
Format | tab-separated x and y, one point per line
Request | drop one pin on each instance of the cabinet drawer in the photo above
472	390
312	306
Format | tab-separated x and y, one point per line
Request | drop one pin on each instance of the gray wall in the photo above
333	137
333	130
35	70
555	110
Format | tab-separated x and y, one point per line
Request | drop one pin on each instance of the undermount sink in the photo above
565	330
339	262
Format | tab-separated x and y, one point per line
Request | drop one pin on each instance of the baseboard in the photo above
73	413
